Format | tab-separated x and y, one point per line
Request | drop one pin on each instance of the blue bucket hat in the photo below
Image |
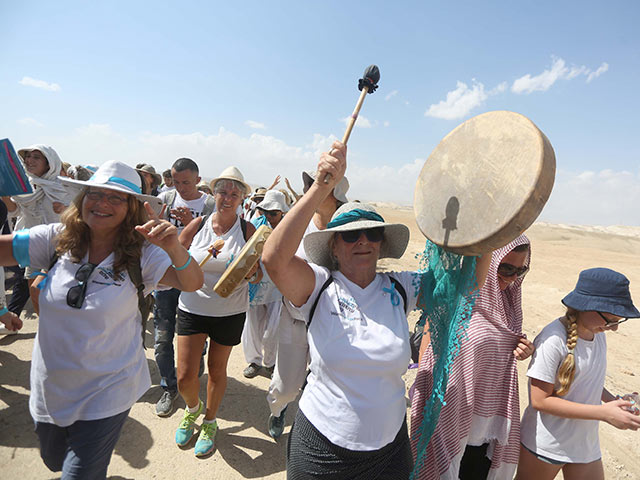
602	290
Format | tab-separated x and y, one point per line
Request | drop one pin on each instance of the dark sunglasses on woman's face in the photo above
374	235
271	213
611	323
76	294
508	270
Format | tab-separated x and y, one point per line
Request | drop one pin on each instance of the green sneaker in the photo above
206	439
185	429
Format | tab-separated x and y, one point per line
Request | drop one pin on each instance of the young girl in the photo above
559	429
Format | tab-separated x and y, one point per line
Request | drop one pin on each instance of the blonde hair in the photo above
76	236
567	369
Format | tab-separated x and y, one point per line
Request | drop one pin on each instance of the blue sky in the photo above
266	86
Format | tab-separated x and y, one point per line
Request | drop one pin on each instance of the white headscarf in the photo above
37	208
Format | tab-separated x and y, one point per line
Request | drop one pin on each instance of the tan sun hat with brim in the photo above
273	200
231	173
116	176
157	178
356	216
339	191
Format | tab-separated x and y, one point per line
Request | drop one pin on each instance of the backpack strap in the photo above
315	303
243	226
135	274
170	200
54	259
209	205
400	289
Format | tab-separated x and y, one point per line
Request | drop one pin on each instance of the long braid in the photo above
567	369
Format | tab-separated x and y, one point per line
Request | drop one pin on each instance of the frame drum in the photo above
485	183
247	257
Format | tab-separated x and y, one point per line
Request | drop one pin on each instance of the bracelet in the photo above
3	310
185	265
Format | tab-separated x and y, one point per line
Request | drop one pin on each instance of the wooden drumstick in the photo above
367	84
215	247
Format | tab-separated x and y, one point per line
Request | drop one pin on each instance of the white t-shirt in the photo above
88	363
359	348
205	301
195	207
164	188
566	439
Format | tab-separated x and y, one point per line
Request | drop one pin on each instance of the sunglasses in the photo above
611	323
114	200
76	294
374	235
270	213
508	270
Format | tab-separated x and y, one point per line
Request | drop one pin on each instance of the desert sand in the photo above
146	449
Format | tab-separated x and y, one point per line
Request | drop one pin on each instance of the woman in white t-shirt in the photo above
559	428
204	313
351	422
88	365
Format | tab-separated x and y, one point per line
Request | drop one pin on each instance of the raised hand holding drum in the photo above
485	183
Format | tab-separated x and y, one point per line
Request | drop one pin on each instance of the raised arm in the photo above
293	277
293	192
185	274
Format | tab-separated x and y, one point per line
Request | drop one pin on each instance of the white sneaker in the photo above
6	331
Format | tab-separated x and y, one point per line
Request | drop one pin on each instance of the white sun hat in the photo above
356	216
273	200
117	176
231	173
339	191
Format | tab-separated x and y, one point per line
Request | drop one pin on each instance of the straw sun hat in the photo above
356	216
231	173
115	176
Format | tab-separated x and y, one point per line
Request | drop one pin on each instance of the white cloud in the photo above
30	122
256	125
32	82
601	69
558	71
604	197
459	102
362	122
386	123
391	95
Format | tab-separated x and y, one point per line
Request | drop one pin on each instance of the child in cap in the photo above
559	428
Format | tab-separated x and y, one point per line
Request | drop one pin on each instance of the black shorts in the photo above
223	330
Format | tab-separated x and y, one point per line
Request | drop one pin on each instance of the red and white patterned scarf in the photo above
482	403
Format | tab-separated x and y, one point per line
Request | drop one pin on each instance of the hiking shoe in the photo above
251	371
276	425
185	429
164	407
206	439
269	371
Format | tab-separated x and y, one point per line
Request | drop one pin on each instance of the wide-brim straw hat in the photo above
116	176
602	290
157	178
394	241
339	191
231	173
274	200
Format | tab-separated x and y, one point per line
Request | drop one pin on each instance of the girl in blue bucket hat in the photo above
559	428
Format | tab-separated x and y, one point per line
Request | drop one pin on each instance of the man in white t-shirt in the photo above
167	183
183	204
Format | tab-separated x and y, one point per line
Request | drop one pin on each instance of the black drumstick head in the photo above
370	79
